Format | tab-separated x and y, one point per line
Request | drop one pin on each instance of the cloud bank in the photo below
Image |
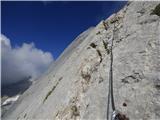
22	62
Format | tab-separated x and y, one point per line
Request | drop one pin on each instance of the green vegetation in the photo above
105	44
25	115
49	93
157	86
114	20
75	111
156	11
93	45
86	77
100	55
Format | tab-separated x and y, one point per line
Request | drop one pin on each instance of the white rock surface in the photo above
76	86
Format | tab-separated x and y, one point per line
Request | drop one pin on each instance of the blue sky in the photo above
52	26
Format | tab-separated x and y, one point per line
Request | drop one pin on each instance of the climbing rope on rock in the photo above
115	115
110	91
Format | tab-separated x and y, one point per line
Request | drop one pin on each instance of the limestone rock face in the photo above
76	86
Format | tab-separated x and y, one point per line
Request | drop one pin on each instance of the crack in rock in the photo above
53	88
134	78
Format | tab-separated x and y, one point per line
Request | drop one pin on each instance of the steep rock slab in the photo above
77	86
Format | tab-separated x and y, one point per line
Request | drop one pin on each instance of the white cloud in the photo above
21	62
